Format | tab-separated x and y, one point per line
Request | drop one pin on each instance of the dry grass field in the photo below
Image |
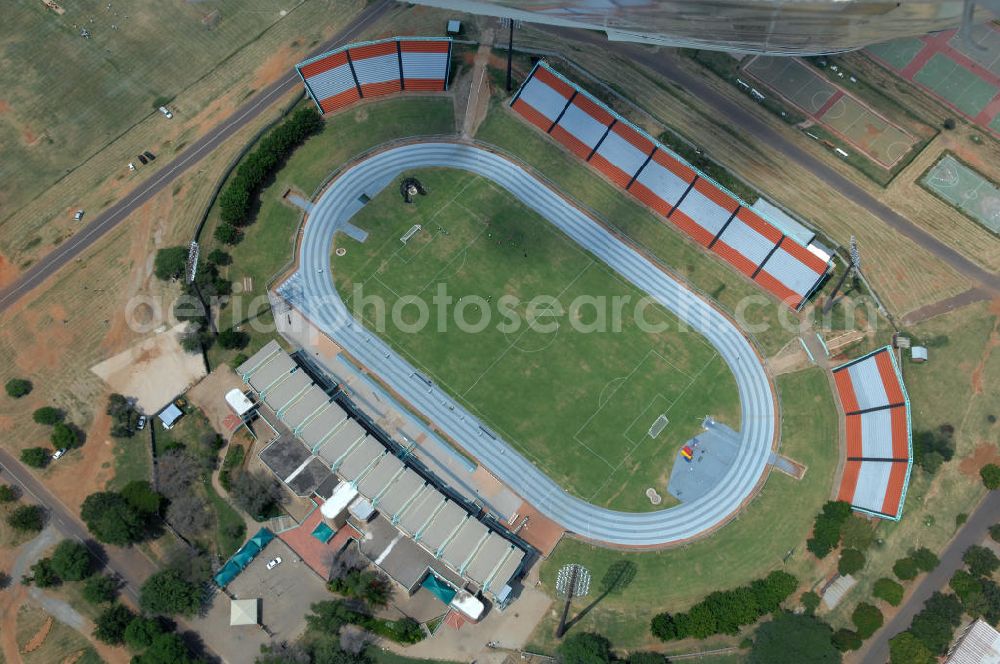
904	275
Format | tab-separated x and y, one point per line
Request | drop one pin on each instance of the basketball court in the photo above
965	189
841	112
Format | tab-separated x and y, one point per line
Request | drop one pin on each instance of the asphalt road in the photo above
92	232
311	290
733	114
974	530
130	566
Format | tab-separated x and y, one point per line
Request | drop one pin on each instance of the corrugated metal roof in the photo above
420	511
323	423
276	366
380	477
876	434
790	271
543	99
309	402
621	153
398	494
506	571
361	458
464	544
286	391
442	526
331	82
425	66
582	125
979	645
704	211
341	442
747	241
258	358
873	483
867	382
488	558
377	69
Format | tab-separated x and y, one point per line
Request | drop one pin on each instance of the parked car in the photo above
79	215
274	563
143	160
140	423
166	112
149	155
58	453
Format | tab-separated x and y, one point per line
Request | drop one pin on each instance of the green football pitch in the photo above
554	354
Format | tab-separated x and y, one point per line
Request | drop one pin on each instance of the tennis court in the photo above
966	189
869	132
856	123
957	85
793	81
987	38
898	53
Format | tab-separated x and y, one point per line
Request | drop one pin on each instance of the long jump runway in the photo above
311	290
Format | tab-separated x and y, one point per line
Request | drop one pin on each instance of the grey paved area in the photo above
312	292
715	450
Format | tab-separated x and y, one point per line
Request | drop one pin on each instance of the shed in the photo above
169	416
239	402
243	612
454	27
918	353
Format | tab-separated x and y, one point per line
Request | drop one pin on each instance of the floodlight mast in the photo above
570	588
853	267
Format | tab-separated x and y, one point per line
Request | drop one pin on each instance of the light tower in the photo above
853	267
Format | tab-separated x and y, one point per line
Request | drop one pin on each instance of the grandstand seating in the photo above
705	211
372	69
877	422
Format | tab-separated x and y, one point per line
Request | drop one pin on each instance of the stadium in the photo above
558	434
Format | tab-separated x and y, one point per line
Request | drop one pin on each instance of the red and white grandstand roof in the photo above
372	69
877	419
706	211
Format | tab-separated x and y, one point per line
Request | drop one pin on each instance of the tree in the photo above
227	234
71	560
905	569
857	533
826	528
932	448
845	640
141	632
851	561
189	514
170	263
110	625
64	437
665	627
233	339
8	493
867	619
140	495
36	457
888	590
219	257
949	123
112	520
47	415
995	532
791	639
120	410
924	559
43	574
368	586
935	624
644	657
18	387
810	602
585	648
99	589
980	560
991	476
904	648
255	493
168	593
165	649
27	518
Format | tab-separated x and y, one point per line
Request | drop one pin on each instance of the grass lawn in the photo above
268	243
61	643
616	209
133	459
764	536
576	399
388	657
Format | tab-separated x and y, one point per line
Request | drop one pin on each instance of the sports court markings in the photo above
967	190
988	54
955	84
792	80
897	53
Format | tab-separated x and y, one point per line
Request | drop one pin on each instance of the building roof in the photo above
341	442
258	359
775	259
287	390
170	415
877	424
269	372
918	352
980	644
398	495
243	612
308	403
239	402
317	427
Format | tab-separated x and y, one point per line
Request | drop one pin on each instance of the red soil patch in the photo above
275	66
4	106
985	453
8	272
540	532
39	638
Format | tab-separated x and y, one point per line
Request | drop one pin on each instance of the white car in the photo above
78	215
58	453
166	112
141	423
274	563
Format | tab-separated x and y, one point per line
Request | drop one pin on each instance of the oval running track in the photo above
317	298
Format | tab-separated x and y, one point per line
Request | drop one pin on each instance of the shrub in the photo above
168	593
949	123
826	528
43	574
924	559
8	493
888	590
112	520
585	648
995	532
905	569
36	457
18	387
857	533
141	632
793	639
851	561
99	589
233	339
932	448
47	415
27	518
170	263
227	234
219	257
64	436
110	626
845	640
905	648
867	619
71	560
991	476
121	412
810	601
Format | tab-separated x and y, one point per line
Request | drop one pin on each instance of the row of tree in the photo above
724	612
